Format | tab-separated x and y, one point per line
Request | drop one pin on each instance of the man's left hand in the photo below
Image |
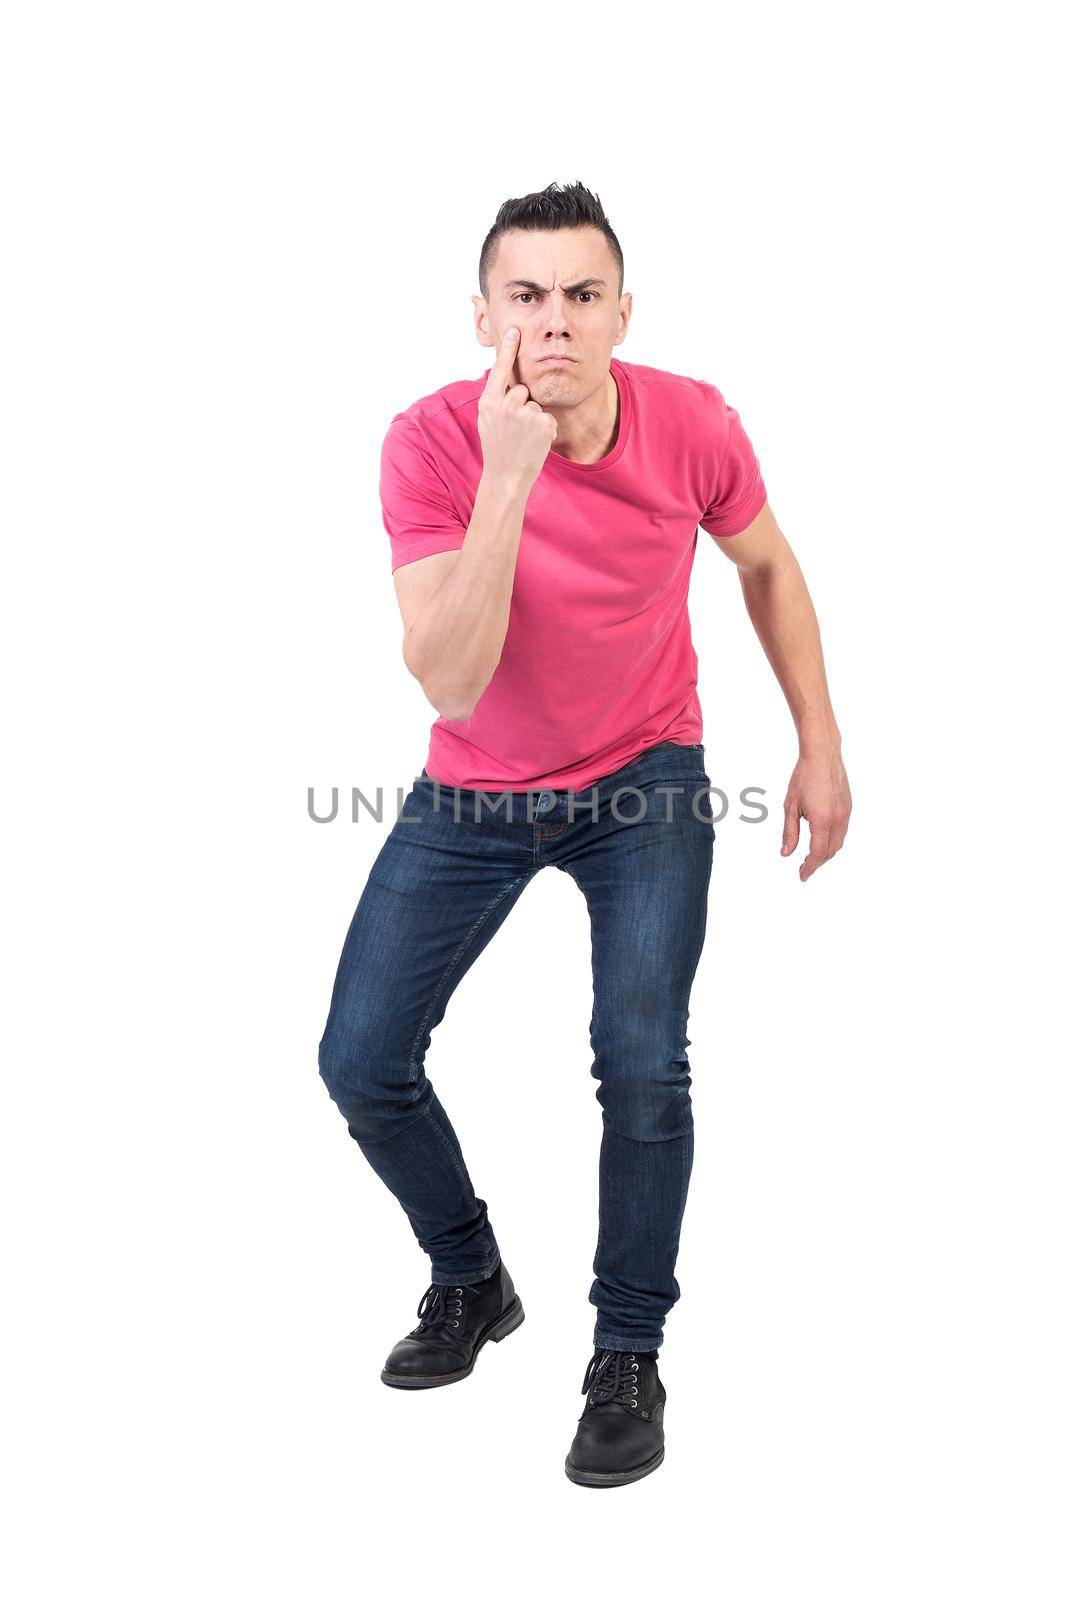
819	792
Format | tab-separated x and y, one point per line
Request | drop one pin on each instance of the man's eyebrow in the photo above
584	283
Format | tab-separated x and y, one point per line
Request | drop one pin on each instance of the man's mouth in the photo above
554	360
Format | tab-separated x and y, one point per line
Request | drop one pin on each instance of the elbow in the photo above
760	572
455	705
453	710
455	702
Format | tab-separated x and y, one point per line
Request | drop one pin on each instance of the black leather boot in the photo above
454	1324
621	1432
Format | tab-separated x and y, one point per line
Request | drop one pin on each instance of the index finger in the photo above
501	371
819	851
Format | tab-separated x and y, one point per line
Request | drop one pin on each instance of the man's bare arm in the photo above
456	604
781	611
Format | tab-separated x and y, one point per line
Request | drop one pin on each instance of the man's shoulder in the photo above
679	387
684	411
453	401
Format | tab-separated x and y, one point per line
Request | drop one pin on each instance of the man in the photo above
543	523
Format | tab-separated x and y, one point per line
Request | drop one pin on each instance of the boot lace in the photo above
612	1375
442	1305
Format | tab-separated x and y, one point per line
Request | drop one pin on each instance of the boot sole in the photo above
611	1480
505	1324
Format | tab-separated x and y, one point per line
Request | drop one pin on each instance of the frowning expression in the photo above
560	288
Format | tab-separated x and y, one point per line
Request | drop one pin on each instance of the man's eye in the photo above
526	295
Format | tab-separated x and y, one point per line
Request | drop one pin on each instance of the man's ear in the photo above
482	333
625	304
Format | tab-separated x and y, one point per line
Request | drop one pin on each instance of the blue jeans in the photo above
446	877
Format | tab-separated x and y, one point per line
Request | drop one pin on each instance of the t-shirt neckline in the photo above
622	434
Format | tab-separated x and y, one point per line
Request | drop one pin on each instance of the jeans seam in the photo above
565	867
457	1165
452	965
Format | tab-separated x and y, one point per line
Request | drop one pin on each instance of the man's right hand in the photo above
516	433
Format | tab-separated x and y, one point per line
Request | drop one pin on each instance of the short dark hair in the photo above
572	206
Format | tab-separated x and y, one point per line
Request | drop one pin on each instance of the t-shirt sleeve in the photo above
738	491
417	509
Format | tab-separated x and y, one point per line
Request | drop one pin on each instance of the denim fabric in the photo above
439	889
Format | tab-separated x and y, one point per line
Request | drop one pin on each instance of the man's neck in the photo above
586	432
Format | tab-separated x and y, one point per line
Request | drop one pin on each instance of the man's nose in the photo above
557	316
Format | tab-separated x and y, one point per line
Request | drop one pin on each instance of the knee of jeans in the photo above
369	1079
648	1102
640	1061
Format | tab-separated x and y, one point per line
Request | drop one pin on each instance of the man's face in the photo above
561	290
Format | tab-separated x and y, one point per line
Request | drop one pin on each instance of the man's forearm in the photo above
455	642
782	614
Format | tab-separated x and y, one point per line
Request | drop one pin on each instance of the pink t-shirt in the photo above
598	664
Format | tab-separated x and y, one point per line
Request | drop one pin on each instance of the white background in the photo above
239	239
